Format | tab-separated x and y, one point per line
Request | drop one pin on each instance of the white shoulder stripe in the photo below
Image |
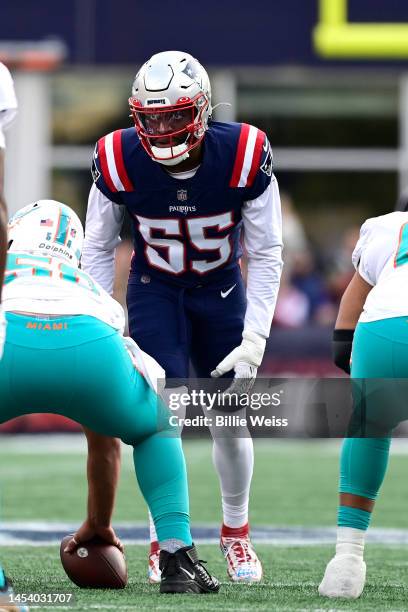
110	158
249	154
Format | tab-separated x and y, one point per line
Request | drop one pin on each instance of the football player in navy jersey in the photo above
193	189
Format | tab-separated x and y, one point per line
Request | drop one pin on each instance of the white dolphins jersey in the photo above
381	258
47	285
8	102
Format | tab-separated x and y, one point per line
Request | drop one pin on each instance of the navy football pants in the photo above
177	325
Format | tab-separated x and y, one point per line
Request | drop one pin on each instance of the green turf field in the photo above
291	579
294	484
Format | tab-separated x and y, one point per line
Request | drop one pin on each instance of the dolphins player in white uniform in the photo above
65	354
8	109
372	330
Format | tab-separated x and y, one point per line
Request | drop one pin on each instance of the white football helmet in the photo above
47	227
171	105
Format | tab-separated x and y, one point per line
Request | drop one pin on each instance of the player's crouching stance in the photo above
374	310
64	353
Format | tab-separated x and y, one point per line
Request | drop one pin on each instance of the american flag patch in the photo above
72	233
47	222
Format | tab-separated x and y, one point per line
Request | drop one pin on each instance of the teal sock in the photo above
353	517
2	579
363	464
161	473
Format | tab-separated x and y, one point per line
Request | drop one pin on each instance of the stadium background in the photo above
338	123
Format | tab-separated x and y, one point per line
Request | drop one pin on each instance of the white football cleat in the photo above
243	564
344	577
153	571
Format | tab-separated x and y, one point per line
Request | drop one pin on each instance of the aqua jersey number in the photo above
23	265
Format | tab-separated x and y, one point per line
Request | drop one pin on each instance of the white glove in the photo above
244	360
2	330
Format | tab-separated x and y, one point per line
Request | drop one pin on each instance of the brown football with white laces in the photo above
95	564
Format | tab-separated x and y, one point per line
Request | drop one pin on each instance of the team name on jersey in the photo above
182	209
46	326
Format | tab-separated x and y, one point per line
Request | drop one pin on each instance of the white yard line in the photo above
43	533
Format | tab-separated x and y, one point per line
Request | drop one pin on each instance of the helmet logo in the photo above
191	71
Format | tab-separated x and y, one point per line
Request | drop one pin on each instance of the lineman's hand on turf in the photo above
87	532
244	360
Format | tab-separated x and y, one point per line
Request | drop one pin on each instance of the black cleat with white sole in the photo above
183	572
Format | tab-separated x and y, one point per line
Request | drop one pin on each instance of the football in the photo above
95	565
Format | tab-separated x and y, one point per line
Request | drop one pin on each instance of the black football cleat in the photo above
183	572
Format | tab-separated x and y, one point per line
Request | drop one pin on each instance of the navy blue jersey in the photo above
186	231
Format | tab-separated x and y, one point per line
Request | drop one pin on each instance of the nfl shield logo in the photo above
182	195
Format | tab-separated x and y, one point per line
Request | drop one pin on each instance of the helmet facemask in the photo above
169	132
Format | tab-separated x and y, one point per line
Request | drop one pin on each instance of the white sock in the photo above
350	541
234	461
172	545
152	528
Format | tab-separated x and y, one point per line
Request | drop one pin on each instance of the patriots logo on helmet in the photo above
192	71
